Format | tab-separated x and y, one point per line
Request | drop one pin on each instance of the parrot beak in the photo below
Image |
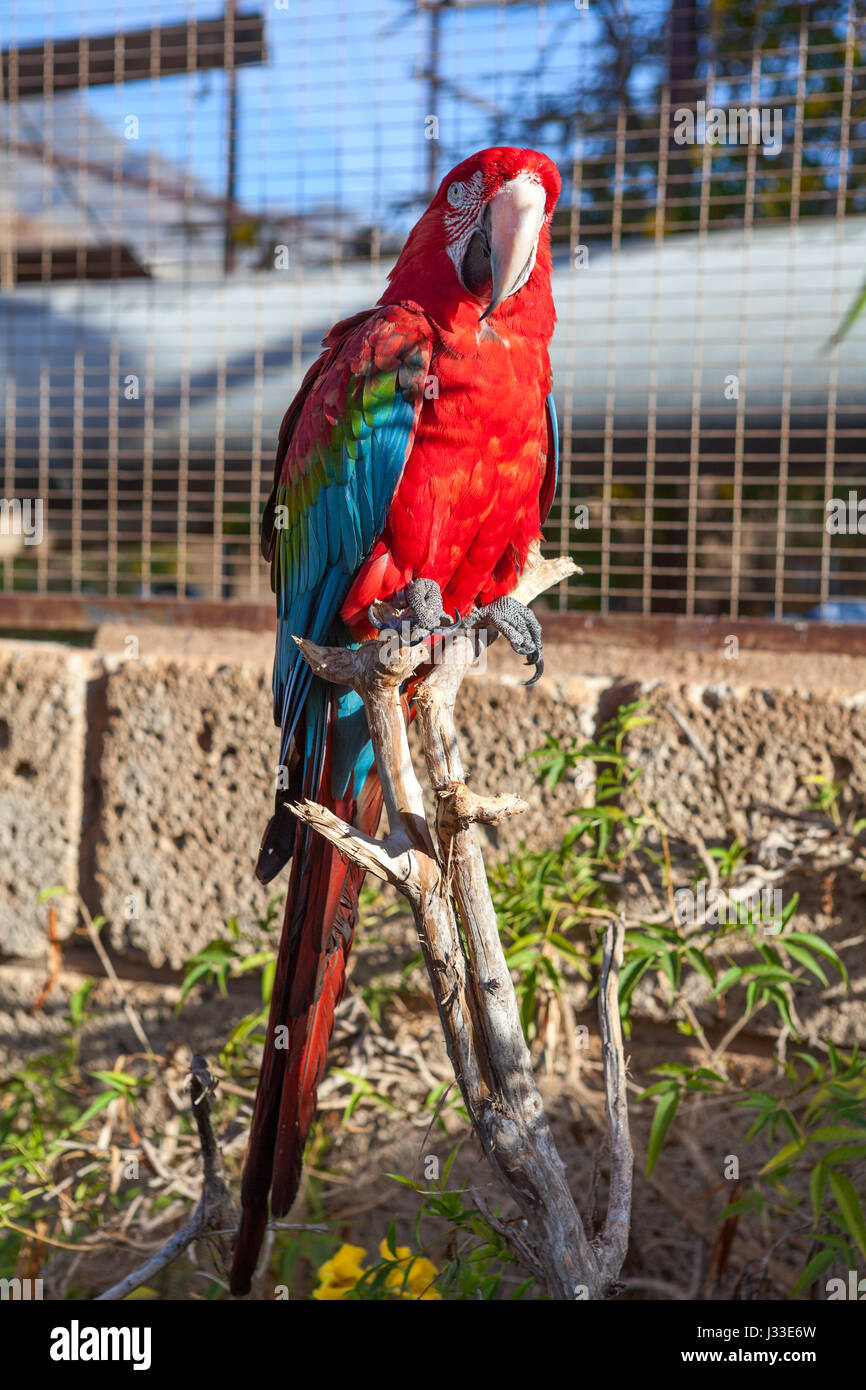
516	214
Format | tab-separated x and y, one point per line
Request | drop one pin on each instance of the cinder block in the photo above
42	738
764	743
187	772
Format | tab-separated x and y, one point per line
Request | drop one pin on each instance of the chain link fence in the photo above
187	203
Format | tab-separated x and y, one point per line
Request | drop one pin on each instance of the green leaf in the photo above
78	1002
666	1109
813	1271
767	974
565	947
189	983
120	1080
789	909
786	1155
708	1072
640	941
752	1202
817	943
56	891
449	1162
669	964
253	962
730	977
391	1239
836	1134
780	999
268	976
817	1188
698	961
99	1104
846	1153
629	978
659	1088
849	1206
804	957
851	316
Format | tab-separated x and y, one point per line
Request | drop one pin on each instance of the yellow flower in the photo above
412	1276
341	1273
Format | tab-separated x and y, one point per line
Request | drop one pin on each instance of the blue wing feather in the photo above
551	476
338	500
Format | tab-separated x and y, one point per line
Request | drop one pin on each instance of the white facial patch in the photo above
521	199
465	205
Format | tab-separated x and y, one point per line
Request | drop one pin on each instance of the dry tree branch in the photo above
436	868
215	1214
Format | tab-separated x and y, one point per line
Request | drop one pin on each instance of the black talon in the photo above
446	631
539	671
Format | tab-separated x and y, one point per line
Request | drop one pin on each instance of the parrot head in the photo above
477	245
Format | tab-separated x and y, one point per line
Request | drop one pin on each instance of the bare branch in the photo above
617	1223
539	575
458	806
388	859
215	1214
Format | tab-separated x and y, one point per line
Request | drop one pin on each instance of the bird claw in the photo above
422	600
518	624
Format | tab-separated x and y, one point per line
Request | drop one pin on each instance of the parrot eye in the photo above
456	194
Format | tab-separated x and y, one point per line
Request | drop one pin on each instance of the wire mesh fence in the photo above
188	202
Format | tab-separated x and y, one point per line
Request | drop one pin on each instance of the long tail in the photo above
318	928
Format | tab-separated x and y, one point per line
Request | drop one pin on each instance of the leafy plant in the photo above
47	1106
461	1258
827	796
549	902
823	1122
230	958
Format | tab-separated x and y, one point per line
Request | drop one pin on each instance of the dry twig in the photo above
215	1213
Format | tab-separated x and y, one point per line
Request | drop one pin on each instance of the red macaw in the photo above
415	465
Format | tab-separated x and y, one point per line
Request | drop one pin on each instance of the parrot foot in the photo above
518	624
419	604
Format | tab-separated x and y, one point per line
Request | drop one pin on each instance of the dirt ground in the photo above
678	1248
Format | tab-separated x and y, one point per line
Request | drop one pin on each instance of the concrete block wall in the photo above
185	779
43	697
144	781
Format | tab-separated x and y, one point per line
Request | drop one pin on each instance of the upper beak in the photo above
516	213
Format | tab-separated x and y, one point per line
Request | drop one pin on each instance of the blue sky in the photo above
337	114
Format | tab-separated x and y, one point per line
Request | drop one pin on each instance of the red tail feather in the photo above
318	927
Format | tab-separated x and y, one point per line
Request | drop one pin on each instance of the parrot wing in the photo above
343	445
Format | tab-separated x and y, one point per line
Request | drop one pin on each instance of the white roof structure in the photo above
679	318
